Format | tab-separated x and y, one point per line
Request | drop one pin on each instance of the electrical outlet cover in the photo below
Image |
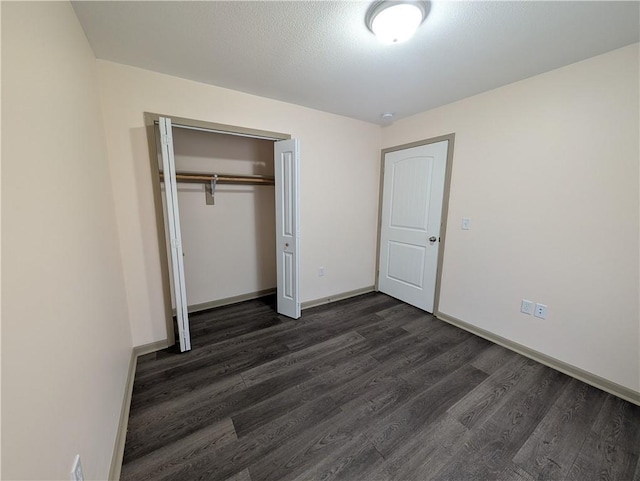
526	307
541	311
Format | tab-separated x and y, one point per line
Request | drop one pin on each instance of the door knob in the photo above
433	239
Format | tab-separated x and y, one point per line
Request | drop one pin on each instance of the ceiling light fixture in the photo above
395	21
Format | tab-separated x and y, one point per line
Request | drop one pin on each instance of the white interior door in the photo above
287	174
412	197
173	219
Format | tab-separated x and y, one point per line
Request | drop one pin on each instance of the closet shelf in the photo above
222	178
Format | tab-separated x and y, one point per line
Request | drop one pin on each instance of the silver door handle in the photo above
433	239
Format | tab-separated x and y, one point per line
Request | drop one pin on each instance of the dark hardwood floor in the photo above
365	389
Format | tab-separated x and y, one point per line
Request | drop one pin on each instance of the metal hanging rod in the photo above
222	178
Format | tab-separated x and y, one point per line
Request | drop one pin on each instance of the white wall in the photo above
547	169
339	182
66	341
229	248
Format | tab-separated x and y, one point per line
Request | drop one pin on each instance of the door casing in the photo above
445	206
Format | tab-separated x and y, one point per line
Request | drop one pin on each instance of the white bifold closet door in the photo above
287	191
287	174
175	237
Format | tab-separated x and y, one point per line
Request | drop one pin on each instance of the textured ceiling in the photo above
320	54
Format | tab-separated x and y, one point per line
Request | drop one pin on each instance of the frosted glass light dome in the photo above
395	21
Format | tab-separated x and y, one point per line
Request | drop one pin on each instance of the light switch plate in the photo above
466	223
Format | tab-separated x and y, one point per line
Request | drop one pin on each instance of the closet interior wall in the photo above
229	247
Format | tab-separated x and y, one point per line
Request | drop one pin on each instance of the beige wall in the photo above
66	343
339	182
229	248
547	169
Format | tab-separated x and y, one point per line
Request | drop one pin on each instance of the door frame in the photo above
445	207
151	120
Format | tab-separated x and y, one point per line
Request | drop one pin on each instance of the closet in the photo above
228	216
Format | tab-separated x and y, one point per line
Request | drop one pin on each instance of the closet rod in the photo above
222	178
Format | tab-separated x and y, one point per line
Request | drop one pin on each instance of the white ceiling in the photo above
321	55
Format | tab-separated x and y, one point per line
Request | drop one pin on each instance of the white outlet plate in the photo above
76	470
466	223
320	271
540	311
526	307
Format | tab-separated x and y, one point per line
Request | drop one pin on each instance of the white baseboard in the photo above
337	297
580	374
121	435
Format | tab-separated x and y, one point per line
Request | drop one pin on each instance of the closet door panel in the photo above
175	237
287	176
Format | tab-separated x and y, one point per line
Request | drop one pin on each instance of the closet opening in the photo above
223	198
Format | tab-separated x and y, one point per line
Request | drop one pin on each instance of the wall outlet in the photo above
320	271
541	311
466	223
76	470
526	307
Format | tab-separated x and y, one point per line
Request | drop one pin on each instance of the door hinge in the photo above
165	139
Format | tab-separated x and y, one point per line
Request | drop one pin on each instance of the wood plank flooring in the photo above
365	389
